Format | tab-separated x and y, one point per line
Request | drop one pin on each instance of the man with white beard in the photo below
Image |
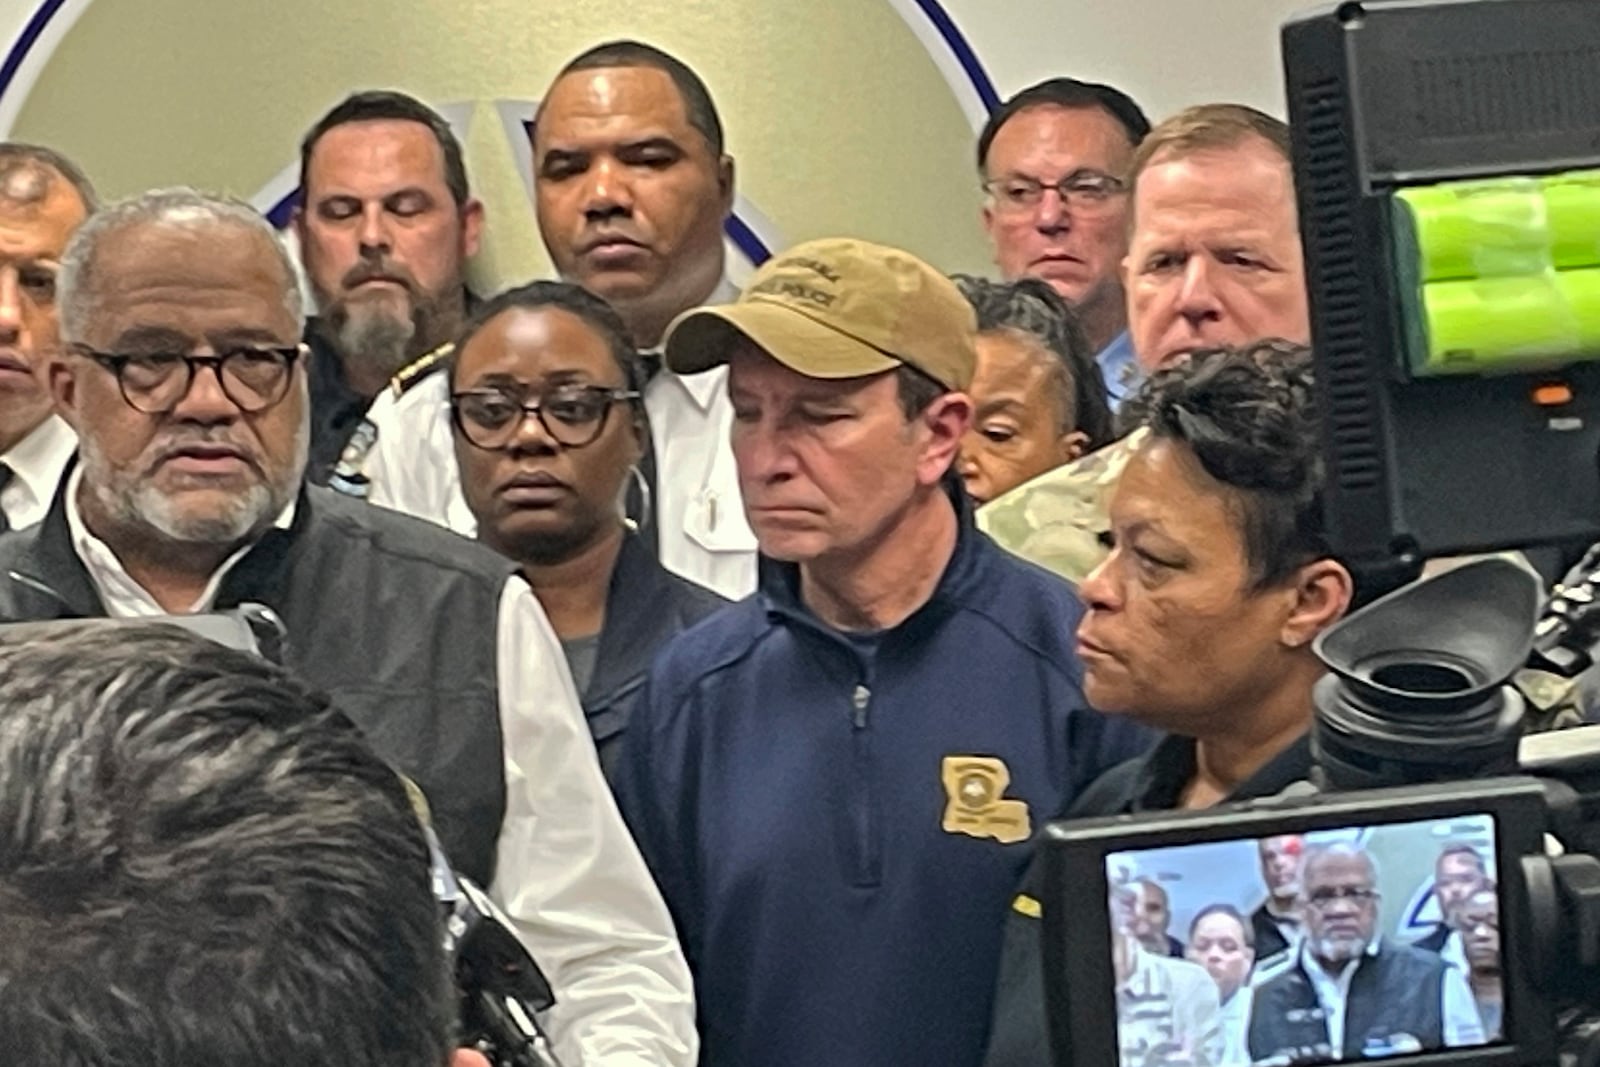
180	370
386	227
1347	993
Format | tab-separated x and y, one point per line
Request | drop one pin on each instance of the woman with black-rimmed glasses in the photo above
549	434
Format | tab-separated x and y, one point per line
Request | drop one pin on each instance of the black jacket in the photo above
1269	939
646	607
1435	939
336	408
1019	1034
338	411
394	618
1397	990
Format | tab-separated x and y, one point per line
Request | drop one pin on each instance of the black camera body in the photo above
503	992
1088	1025
1446	156
1437	146
1417	745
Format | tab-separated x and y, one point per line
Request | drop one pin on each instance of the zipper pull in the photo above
711	511
859	700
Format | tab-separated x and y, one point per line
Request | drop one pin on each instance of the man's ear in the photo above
466	1057
1322	591
471	227
61	378
947	420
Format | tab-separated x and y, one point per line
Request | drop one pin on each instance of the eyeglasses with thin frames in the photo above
1086	191
572	415
252	378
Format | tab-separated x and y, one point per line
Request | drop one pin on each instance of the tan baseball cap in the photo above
837	308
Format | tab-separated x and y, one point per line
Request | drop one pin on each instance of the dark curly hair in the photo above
594	312
1029	306
1249	416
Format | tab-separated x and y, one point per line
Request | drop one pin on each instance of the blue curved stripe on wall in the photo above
26	40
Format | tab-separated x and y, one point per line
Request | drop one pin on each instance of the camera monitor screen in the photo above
1357	942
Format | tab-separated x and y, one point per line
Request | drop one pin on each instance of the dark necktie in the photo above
644	510
6	474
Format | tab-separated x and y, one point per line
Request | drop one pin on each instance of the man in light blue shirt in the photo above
1119	369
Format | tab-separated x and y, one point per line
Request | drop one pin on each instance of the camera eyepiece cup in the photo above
1417	684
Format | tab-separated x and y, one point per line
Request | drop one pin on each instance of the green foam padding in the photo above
1488	324
1499	274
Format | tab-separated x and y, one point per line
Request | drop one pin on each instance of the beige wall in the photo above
1167	54
839	119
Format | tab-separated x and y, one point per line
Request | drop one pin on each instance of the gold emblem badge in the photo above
975	804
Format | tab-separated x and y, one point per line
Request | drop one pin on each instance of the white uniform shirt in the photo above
36	464
567	872
699	513
1454	952
1462	1026
1233	1022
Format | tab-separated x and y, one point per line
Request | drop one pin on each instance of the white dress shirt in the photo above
567	872
36	464
1462	1026
699	513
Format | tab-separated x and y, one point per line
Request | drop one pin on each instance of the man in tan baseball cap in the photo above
846	362
838	308
835	781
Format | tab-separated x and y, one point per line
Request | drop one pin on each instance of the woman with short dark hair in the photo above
549	433
1200	620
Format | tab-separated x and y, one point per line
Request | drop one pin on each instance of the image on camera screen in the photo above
1359	943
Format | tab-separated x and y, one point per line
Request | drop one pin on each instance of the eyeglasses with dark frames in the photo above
1087	191
253	378
1327	896
572	415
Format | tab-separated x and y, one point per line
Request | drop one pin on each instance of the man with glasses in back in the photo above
183	374
1054	160
1347	993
